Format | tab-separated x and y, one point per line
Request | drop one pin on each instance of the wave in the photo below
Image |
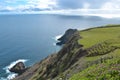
58	36
56	39
7	68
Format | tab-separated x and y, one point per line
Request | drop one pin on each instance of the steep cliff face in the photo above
66	36
55	64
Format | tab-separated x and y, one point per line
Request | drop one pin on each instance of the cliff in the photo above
57	63
64	39
84	51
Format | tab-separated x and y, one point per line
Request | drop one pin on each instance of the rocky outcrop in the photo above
19	68
66	36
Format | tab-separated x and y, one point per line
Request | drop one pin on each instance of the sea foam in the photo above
10	74
56	39
58	36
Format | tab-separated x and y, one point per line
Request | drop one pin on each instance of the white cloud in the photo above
42	3
112	4
9	8
27	4
107	8
86	5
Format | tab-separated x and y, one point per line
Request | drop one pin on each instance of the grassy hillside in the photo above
92	54
103	47
108	69
94	36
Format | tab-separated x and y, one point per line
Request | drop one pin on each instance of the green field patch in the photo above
94	36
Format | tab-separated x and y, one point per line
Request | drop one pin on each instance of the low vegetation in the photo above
107	69
103	47
94	36
92	54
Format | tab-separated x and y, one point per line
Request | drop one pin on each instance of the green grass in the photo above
103	45
109	69
97	35
112	54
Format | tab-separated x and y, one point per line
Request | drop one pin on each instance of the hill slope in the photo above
87	55
103	47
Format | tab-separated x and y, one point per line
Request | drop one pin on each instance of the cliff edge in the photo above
87	55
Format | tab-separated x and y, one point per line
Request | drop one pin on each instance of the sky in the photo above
61	6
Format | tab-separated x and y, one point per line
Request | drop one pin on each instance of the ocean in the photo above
29	38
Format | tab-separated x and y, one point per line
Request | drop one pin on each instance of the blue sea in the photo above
32	37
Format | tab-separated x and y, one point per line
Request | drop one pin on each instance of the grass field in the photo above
105	41
109	69
97	35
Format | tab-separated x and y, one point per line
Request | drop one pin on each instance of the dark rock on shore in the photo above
66	36
19	68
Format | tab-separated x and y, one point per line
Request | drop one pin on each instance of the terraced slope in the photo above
108	68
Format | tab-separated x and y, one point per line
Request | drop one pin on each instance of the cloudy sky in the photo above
61	6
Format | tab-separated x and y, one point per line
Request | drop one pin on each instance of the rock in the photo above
52	66
19	68
66	36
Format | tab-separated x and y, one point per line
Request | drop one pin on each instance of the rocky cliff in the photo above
55	64
92	60
66	36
